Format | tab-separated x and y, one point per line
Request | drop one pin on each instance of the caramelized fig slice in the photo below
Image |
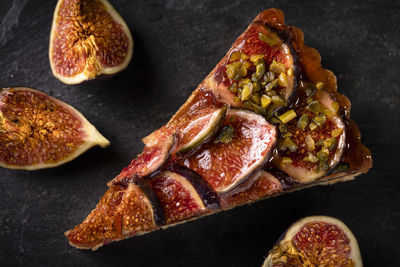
242	146
263	184
314	143
38	131
260	72
177	196
122	212
88	38
316	241
201	129
153	157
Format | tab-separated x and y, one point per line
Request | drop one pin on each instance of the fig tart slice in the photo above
268	119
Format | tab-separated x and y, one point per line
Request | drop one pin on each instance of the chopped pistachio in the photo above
233	88
268	76
323	165
243	56
267	39
246	92
277	100
257	59
333	144
336	132
287	143
335	107
310	91
265	101
234	56
286	161
234	70
327	112
310	143
303	121
283	80
247	64
276	67
271	85
243	82
322	156
275	120
282	128
288	116
260	70
236	99
271	93
256	87
320	119
327	142
319	143
226	135
319	85
342	167
256	98
314	107
311	158
309	100
312	126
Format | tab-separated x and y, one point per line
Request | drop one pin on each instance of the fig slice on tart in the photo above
88	38
243	145
268	119
316	241
38	131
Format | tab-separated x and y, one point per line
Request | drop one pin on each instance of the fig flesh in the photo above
316	241
88	38
261	64
245	149
178	198
121	212
316	150
38	131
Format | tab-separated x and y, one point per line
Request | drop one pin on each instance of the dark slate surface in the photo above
177	44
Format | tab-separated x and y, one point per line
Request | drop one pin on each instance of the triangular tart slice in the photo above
268	119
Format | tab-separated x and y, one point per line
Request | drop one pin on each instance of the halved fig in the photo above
242	146
313	144
259	72
121	212
261	185
177	196
88	38
316	241
38	131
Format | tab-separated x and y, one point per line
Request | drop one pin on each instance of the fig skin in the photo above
92	54
90	138
355	254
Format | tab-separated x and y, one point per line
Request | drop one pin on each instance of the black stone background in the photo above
177	43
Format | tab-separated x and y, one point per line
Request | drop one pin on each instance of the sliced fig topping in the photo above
225	164
121	211
313	144
152	158
201	128
179	200
259	72
261	185
38	131
316	241
88	38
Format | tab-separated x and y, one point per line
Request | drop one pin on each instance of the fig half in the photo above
88	38
38	131
316	241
